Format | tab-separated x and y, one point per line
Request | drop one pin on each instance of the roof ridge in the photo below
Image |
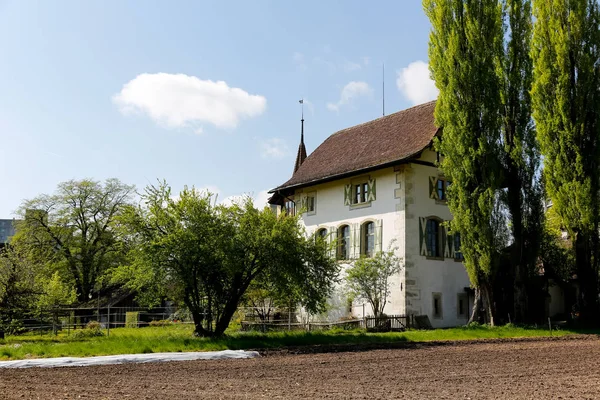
382	117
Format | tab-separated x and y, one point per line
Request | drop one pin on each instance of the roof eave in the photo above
405	160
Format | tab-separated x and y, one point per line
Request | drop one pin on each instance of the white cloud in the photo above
260	199
350	92
274	148
310	106
178	100
212	189
415	83
350	66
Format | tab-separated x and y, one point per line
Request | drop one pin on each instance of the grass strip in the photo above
178	338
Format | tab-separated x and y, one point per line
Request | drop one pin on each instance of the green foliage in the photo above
464	56
566	108
162	322
73	231
369	278
131	319
480	60
208	255
18	290
56	293
92	329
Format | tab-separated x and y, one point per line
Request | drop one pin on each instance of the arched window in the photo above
322	234
343	249
368	239
434	238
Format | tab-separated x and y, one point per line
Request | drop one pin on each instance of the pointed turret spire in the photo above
301	156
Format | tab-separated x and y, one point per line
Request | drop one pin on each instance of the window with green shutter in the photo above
360	192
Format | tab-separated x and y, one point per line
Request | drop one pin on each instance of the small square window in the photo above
462	305
437	306
310	204
360	193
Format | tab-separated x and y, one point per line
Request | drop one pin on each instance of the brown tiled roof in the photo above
382	141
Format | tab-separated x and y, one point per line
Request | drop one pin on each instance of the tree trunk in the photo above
1	334
587	279
226	315
477	306
483	306
488	303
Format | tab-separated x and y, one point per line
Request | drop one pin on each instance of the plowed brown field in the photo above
532	369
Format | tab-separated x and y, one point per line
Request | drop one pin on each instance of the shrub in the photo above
162	322
182	314
131	319
92	329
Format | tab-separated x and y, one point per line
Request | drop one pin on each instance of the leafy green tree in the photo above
55	293
519	154
566	109
211	254
369	278
465	44
73	231
17	289
480	60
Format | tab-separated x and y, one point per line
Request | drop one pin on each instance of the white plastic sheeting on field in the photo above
127	358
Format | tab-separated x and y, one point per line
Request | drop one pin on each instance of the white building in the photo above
375	183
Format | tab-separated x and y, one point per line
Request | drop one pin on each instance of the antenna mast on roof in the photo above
383	85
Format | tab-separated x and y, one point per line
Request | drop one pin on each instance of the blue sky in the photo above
197	93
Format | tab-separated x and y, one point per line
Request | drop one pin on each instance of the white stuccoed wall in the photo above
402	197
425	276
332	213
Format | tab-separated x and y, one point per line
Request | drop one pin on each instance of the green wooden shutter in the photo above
348	195
355	240
378	235
444	240
423	235
433	194
449	248
372	190
333	234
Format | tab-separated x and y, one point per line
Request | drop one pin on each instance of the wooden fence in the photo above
388	323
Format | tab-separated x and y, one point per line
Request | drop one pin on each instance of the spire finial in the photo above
301	156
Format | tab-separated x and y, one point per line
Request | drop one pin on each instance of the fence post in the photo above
289	318
108	321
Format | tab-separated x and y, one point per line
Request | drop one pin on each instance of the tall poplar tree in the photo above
566	109
465	42
522	193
